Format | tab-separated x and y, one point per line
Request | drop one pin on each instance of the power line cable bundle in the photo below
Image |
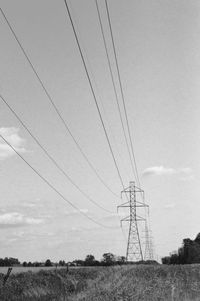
93	93
60	116
51	158
122	92
66	126
130	148
51	186
113	84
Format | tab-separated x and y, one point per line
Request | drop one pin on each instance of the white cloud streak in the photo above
167	171
12	219
11	134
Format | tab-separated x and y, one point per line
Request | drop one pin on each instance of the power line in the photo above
55	107
113	83
51	158
96	103
52	187
96	88
121	89
124	106
93	93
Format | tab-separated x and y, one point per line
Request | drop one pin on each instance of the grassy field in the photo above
17	270
127	283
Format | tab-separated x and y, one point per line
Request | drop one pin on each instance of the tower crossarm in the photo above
130	219
127	204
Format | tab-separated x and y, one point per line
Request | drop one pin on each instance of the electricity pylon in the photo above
134	249
148	252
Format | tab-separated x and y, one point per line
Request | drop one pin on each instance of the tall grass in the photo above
128	283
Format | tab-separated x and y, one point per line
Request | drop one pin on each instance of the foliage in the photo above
187	254
62	263
108	259
31	264
48	263
8	261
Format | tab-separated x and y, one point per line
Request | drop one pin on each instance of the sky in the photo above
158	49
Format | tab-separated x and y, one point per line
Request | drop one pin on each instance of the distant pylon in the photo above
151	243
134	249
148	252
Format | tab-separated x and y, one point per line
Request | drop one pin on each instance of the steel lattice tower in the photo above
148	253
134	249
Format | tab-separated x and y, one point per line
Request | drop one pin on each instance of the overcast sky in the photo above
158	48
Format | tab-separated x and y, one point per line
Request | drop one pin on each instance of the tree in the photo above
78	262
48	263
174	259
187	246
13	261
1	262
166	260
6	262
197	239
108	258
181	255
24	264
121	259
61	263
37	264
89	260
189	253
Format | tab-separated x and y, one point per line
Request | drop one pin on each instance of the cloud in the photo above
16	219
158	171
11	134
185	173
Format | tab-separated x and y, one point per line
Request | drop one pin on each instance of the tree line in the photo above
9	261
188	253
107	259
